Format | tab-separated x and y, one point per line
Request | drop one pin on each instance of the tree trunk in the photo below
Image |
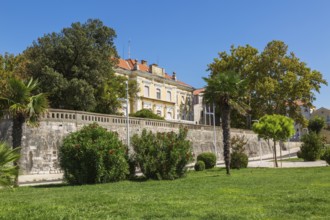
275	157
225	117
18	121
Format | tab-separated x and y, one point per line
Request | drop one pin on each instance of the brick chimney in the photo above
144	62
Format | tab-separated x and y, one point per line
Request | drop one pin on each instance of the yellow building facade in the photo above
163	94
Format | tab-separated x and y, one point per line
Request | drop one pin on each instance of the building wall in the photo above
40	144
323	113
176	107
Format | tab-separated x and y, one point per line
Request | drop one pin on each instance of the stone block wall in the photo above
40	144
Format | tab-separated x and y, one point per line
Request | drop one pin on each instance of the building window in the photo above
158	93
146	91
159	112
182	99
169	96
169	115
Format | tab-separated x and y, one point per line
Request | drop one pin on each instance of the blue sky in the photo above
182	35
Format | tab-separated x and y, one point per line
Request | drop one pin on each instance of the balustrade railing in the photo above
87	117
81	117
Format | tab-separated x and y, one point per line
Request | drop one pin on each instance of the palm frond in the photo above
8	171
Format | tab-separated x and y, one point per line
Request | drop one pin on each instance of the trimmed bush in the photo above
208	158
93	155
238	160
326	156
311	147
146	113
162	155
199	165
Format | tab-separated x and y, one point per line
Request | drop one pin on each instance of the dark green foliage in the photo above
299	155
146	113
311	147
93	155
208	158
132	164
316	124
199	165
75	68
326	155
162	155
238	160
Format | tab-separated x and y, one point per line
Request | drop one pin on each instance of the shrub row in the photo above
95	155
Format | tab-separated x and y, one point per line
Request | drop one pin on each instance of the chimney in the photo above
174	76
136	66
144	62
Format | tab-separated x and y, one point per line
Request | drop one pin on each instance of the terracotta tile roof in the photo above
129	64
123	64
198	91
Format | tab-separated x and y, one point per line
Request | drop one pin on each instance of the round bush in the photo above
93	155
163	155
208	158
238	160
311	147
326	155
199	165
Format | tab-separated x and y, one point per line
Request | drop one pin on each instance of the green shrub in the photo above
93	155
146	113
8	171
199	165
299	155
238	160
162	155
326	155
311	147
132	164
208	158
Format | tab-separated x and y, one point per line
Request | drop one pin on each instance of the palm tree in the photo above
227	90
8	172
19	101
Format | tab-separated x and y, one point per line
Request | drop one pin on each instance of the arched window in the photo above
146	91
158	94
169	115
169	96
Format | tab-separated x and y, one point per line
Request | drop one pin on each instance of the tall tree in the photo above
228	91
75	65
11	65
279	83
275	127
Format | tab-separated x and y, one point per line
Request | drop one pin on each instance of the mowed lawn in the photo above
297	193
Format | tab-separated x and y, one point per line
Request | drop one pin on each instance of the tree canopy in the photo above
227	90
75	66
316	124
279	82
275	127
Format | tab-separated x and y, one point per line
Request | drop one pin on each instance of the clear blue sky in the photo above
182	35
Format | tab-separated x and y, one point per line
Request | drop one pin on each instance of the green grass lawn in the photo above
260	193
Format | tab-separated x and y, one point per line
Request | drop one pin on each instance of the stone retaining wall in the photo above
40	144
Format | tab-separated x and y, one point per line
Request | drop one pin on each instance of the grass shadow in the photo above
55	185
